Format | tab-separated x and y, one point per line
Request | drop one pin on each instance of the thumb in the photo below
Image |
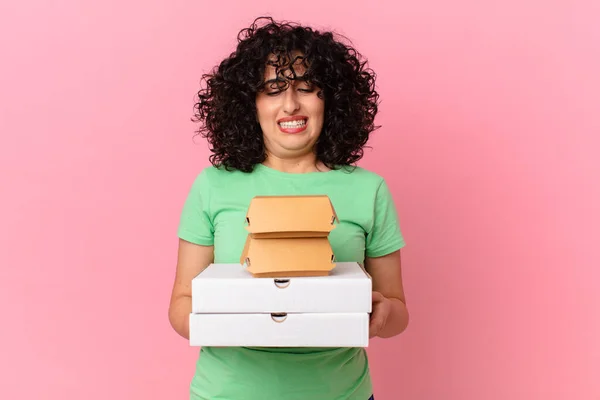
377	297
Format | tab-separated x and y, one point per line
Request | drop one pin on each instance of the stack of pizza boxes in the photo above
287	290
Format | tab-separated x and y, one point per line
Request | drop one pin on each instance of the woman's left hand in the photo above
382	306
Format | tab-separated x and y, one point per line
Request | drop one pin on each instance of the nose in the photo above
290	100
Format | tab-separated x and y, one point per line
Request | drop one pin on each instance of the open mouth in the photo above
292	125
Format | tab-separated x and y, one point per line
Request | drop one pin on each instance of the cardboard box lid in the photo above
290	216
231	288
288	256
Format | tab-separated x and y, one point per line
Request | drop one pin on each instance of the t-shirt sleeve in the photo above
385	236
195	224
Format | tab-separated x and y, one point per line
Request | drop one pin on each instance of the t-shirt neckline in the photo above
293	175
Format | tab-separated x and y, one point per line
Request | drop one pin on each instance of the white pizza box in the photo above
231	288
280	330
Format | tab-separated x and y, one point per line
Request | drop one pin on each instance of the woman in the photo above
289	113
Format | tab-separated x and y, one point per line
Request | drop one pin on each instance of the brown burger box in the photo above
289	236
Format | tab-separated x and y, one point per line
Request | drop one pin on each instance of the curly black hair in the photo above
227	107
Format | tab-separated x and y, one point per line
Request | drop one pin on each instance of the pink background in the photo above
489	140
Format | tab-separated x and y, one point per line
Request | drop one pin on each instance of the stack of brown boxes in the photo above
289	236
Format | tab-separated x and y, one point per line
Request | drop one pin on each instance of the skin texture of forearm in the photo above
179	315
397	320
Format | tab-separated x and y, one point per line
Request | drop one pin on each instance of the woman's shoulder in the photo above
360	174
214	174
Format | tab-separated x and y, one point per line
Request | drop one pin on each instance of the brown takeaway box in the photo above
288	236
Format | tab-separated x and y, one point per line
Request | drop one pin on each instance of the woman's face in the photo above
290	114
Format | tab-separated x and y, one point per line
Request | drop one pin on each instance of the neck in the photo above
296	165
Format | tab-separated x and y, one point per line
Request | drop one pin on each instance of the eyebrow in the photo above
275	80
283	80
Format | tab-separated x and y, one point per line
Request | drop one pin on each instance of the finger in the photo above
375	324
374	328
377	297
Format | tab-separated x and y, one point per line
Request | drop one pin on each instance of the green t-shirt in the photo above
214	214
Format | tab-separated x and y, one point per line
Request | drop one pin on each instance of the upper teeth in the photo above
293	124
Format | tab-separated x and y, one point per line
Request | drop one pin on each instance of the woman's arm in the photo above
191	260
390	315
